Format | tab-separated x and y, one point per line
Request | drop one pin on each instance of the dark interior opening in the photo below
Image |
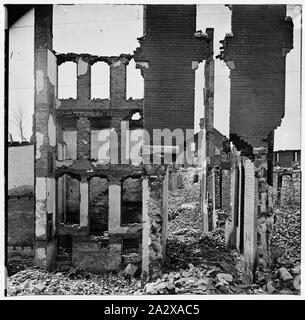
64	248
131	251
72	201
131	209
98	206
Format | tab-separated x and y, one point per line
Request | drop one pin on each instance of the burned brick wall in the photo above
166	55
256	54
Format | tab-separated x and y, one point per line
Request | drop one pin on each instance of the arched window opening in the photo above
100	81
134	82
67	81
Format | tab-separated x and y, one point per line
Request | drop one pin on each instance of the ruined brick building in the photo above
95	211
100	216
255	52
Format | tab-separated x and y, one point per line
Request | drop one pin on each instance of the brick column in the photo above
83	138
45	70
265	210
214	199
84	203
118	81
114	216
83	79
165	211
61	198
203	176
152	220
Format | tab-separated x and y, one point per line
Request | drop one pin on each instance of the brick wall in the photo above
256	55
69	137
21	221
169	46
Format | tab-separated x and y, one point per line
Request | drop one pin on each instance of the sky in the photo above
114	29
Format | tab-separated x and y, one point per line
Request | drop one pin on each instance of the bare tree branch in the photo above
10	137
19	120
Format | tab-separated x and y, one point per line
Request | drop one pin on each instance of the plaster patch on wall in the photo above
117	64
82	67
65	163
70	138
114	222
60	152
84	204
51	131
142	64
52	68
51	195
231	65
40	253
41	185
57	103
39	81
39	141
40	213
195	65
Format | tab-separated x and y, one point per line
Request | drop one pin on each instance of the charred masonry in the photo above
255	53
100	217
95	216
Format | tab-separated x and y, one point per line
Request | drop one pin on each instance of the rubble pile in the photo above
280	281
34	281
285	274
204	280
187	246
286	242
19	260
195	263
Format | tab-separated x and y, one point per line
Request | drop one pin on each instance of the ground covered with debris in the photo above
195	263
19	259
287	237
285	274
